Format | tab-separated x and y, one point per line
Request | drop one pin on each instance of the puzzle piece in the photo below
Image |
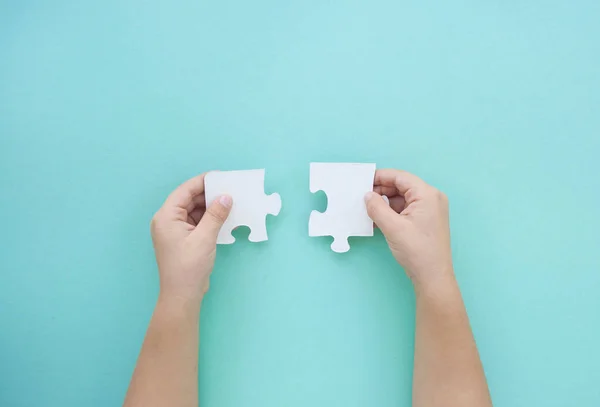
250	204
345	185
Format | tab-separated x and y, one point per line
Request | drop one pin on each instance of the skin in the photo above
184	233
447	368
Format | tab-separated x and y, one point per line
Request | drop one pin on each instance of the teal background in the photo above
105	107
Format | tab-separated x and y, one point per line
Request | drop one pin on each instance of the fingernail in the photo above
369	195
225	200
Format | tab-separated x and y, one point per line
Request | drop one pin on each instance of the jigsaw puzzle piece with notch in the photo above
345	185
250	204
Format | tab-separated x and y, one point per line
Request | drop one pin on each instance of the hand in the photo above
184	234
415	224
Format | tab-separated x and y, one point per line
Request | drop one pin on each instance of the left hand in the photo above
184	233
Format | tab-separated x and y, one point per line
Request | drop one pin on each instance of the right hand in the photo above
415	224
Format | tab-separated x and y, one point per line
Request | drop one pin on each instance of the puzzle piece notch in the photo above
250	204
345	185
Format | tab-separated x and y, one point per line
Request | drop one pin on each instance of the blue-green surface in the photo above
106	106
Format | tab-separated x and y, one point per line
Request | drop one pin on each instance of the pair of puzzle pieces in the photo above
344	183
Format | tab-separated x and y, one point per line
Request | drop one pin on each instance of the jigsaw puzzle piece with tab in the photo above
250	204
345	185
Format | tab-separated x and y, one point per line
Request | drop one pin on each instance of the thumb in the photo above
216	214
380	212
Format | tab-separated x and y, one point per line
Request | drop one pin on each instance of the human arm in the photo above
184	234
447	367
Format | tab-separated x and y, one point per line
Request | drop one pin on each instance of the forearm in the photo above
167	370
447	368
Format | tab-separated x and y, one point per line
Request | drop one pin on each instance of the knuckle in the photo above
154	222
440	197
412	195
433	192
180	213
444	198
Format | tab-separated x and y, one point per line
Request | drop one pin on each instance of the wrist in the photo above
178	305
441	297
440	284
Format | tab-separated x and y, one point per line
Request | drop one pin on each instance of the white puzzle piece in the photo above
250	204
345	185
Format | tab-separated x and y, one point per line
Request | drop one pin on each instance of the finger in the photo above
380	212
384	190
397	203
402	180
186	192
198	202
216	214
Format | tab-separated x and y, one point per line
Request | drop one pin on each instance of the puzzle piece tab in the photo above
345	185
250	204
